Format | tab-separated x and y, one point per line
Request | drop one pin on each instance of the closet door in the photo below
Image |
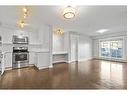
74	48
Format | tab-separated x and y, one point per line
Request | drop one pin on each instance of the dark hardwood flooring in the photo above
92	74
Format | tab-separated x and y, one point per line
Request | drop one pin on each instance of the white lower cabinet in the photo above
40	59
32	58
43	60
8	59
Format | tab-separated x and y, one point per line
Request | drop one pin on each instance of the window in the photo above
112	48
105	48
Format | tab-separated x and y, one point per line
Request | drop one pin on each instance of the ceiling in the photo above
88	19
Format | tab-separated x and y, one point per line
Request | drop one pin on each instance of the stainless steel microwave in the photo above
20	39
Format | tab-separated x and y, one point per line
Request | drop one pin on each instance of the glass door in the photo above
116	49
112	49
105	49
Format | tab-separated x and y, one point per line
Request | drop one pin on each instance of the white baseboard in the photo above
43	67
80	60
8	68
31	65
51	66
72	61
60	61
86	59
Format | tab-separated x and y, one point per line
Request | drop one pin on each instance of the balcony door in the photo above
111	49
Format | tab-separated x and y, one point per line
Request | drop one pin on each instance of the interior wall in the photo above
84	47
95	48
58	43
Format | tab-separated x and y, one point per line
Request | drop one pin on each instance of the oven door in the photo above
20	59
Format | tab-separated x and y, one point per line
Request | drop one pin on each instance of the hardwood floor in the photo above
93	74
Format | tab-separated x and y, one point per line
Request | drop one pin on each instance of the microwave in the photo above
20	39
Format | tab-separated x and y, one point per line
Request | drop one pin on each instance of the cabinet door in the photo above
33	58
6	35
43	60
8	60
33	37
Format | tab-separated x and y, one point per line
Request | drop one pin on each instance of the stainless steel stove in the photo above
20	57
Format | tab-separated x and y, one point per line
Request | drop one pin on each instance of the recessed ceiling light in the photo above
102	30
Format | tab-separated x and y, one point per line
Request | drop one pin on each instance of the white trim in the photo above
50	44
60	61
72	61
42	68
60	53
110	39
85	59
51	66
81	60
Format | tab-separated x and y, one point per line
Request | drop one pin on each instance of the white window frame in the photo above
110	39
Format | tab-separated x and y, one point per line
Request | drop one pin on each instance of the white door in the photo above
74	48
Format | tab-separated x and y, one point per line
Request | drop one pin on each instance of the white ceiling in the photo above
88	19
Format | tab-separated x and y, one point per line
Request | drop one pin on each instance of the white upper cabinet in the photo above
44	35
33	37
6	35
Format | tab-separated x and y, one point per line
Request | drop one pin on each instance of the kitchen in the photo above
36	46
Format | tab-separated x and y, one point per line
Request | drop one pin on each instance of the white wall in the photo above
58	43
95	48
66	42
95	41
59	46
84	47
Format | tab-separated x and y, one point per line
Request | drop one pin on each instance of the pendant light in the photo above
21	22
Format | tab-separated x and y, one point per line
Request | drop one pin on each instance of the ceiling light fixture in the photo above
102	30
25	9
69	12
21	22
59	31
25	12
